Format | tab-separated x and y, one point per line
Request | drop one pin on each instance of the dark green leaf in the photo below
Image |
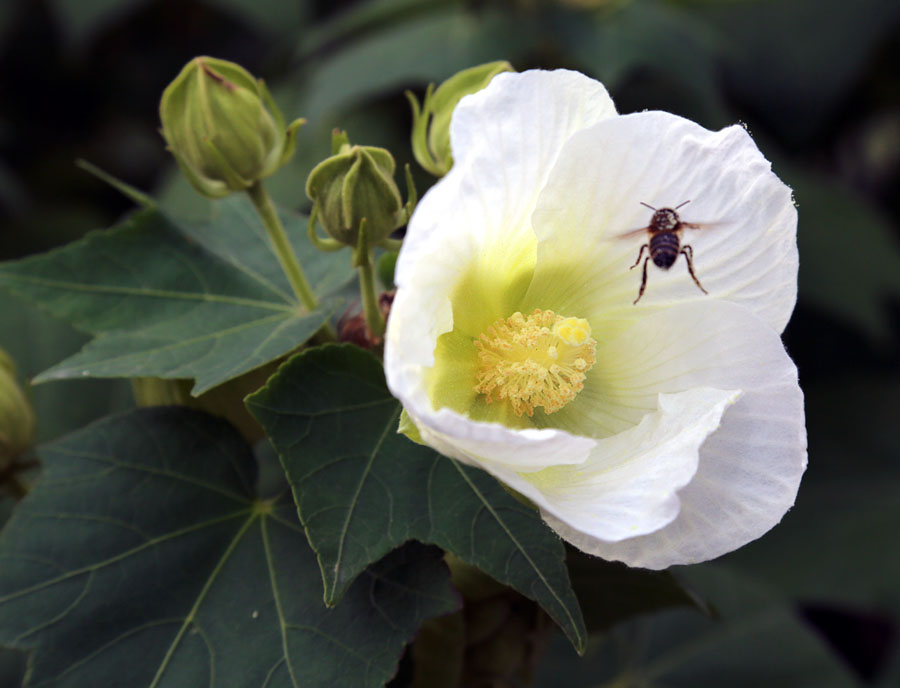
614	46
755	640
12	668
852	425
272	16
178	300
839	543
362	17
35	342
850	259
361	489
143	556
425	48
610	592
82	19
12	663
794	60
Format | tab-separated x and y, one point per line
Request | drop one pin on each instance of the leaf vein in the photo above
150	293
362	480
189	619
156	472
282	626
118	557
518	545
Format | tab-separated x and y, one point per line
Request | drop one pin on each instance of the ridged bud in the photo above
223	127
431	121
17	422
356	184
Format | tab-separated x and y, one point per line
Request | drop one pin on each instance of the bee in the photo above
665	244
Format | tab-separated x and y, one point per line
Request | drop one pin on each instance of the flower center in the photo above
535	360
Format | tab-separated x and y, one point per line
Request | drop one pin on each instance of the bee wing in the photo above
703	225
630	233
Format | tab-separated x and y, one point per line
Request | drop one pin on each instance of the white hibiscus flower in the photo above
666	431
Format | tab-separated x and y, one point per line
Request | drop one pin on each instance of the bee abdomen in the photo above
664	249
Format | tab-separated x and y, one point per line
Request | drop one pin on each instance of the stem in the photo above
126	190
374	319
363	259
282	244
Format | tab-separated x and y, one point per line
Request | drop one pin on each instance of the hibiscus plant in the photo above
345	473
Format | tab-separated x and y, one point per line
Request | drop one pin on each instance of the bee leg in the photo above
640	253
688	252
643	281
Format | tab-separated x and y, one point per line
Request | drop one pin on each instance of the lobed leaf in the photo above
144	554
362	489
166	298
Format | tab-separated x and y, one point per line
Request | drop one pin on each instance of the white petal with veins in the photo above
688	437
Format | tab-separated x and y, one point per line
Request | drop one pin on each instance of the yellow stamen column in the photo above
539	360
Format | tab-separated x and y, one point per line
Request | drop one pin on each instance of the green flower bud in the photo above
431	121
16	414
223	127
356	185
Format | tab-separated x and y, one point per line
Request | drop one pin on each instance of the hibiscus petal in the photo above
476	223
750	468
508	136
628	469
483	444
747	253
629	484
471	235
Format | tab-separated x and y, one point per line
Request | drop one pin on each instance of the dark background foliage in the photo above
816	83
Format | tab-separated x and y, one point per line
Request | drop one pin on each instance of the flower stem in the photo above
282	244
363	260
374	319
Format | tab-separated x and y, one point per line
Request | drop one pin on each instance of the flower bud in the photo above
431	122
16	414
223	127
353	185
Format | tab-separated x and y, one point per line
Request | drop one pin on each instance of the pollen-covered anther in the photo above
539	360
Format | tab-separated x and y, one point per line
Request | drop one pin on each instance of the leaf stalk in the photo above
282	245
